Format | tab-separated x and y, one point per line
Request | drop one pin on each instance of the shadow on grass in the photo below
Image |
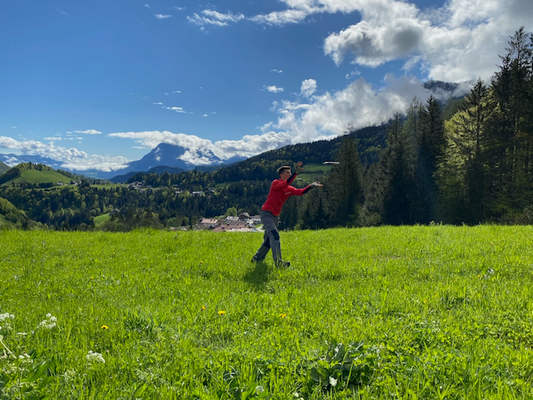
258	276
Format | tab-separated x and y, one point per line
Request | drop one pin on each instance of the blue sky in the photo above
95	84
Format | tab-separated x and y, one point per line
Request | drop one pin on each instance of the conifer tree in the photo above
345	191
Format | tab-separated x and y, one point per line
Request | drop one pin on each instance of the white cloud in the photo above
178	8
281	17
458	42
71	158
147	6
279	71
273	89
13	127
205	115
352	74
176	91
176	109
308	87
211	17
162	16
63	13
54	138
158	104
89	132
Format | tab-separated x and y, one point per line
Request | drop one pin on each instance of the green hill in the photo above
9	214
42	177
3	167
33	173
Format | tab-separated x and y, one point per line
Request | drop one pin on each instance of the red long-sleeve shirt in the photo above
280	191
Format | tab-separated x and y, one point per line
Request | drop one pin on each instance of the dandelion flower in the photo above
203	308
105	327
221	312
283	315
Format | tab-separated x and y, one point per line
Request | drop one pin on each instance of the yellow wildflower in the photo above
105	327
221	312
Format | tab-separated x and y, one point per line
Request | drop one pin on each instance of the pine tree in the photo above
345	192
461	177
510	130
401	194
431	142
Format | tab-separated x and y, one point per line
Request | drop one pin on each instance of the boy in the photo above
280	191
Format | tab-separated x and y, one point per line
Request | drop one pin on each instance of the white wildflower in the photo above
22	333
95	357
6	316
332	381
49	323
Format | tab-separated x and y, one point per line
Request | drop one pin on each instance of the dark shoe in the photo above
283	264
255	260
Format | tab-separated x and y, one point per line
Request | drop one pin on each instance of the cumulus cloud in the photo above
70	158
273	89
162	16
460	41
89	132
308	87
279	71
211	17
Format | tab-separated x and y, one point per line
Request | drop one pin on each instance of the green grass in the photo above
383	313
35	176
314	172
4	222
101	219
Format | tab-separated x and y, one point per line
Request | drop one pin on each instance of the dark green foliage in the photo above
344	186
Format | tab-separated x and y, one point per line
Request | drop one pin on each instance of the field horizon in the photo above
367	313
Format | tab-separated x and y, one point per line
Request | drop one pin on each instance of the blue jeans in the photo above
270	239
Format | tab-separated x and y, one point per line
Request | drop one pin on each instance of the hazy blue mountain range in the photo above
164	155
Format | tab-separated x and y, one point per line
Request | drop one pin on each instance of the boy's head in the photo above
284	172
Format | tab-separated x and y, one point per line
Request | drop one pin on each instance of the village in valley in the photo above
241	223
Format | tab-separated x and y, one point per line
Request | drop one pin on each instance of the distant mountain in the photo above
3	167
158	170
13	159
164	155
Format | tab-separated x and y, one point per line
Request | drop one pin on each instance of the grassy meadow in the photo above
35	176
433	312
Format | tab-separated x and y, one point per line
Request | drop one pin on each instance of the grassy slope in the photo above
33	175
101	219
442	312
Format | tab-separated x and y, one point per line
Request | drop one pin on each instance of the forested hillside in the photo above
3	167
469	161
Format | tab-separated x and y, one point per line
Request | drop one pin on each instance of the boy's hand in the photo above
316	184
299	167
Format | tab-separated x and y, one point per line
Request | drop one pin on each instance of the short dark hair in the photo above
281	169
